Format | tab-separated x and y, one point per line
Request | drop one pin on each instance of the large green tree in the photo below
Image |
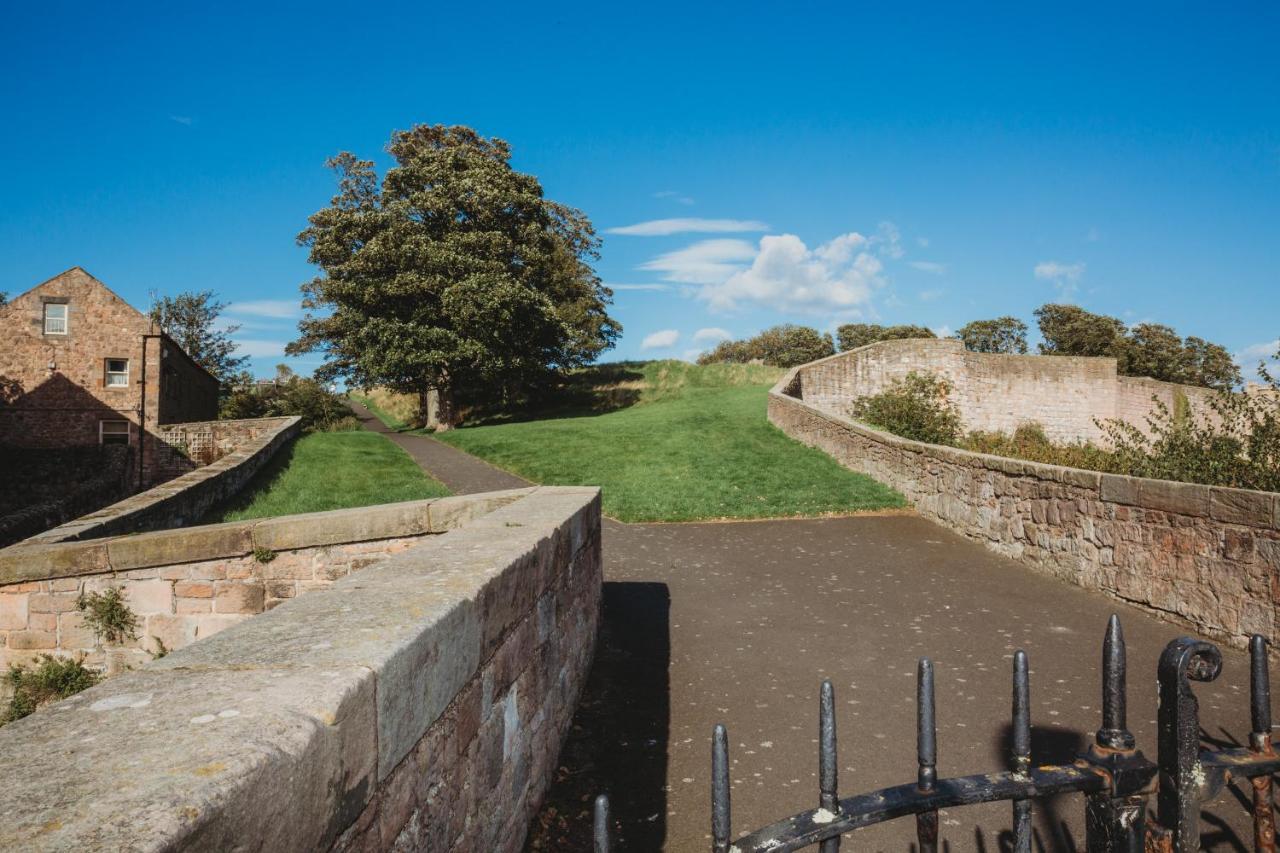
191	319
1070	330
452	273
786	345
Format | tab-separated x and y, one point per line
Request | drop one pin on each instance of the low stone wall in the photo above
417	704
1208	558
188	584
44	487
185	499
183	447
998	393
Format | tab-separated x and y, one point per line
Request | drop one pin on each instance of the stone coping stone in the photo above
1232	506
27	562
277	730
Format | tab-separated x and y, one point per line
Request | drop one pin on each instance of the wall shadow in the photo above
258	484
617	743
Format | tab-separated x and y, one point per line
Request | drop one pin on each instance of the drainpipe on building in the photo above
142	408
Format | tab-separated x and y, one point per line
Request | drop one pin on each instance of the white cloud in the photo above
260	348
1093	235
704	262
660	340
183	120
691	355
1065	277
690	225
711	335
787	276
278	309
1249	357
943	331
931	295
922	242
638	286
928	266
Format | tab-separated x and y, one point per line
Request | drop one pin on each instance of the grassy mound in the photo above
672	441
330	470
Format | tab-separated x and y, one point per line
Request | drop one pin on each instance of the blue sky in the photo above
823	162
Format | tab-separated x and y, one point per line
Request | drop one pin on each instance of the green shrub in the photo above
291	395
780	346
346	424
107	614
52	679
915	407
1030	442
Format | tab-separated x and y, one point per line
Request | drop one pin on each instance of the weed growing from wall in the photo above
50	680
107	614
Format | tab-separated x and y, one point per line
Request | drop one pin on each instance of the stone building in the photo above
80	367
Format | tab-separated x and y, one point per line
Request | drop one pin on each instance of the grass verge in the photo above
688	443
330	470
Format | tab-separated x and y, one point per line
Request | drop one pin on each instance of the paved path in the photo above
739	622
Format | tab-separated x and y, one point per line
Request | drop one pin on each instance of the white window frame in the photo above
108	373
102	430
65	318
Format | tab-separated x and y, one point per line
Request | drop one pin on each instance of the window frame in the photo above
102	431
107	373
65	318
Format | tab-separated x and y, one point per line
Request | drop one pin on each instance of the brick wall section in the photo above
1207	558
418	704
184	585
999	392
62	406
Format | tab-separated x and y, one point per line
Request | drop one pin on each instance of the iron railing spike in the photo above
828	765
926	753
1020	760
720	816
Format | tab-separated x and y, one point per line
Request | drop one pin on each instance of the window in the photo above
117	373
55	318
113	432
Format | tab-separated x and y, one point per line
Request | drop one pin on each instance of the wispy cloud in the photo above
612	286
1065	277
688	225
183	120
260	348
711	335
276	309
888	240
678	198
1251	356
928	266
660	340
705	262
932	294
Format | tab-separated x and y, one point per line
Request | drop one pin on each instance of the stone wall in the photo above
999	392
418	704
1205	557
184	447
47	487
187	584
185	499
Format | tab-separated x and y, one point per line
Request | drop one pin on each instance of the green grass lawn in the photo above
678	442
330	470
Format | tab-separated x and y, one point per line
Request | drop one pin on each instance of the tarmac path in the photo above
738	623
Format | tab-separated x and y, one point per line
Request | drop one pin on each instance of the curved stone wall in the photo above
420	703
999	392
1206	557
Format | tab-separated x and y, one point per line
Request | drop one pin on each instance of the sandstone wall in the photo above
999	392
418	704
1208	558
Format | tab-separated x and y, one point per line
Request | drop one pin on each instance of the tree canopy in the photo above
454	272
191	320
1145	349
1007	335
854	335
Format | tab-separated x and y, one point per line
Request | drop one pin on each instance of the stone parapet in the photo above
418	704
1204	557
189	583
185	499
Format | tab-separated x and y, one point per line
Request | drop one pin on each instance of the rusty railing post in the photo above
1264	817
1115	818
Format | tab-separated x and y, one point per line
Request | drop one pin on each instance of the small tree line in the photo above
1144	349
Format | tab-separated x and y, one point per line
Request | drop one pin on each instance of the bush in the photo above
52	679
780	346
316	405
108	616
915	407
1029	442
345	424
854	335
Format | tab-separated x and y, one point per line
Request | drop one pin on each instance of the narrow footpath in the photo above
738	623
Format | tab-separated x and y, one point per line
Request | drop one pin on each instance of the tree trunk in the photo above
447	414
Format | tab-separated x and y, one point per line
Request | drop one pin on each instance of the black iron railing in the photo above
1115	778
